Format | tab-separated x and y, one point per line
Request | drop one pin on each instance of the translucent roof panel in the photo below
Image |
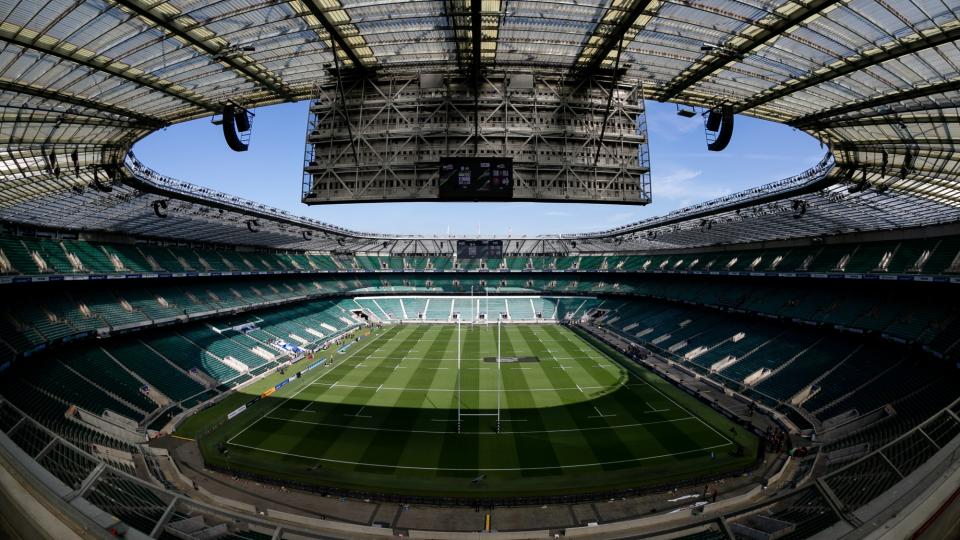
876	80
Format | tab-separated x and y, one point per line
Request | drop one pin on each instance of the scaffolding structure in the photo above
379	139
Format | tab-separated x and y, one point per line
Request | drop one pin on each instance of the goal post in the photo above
459	389
498	374
459	397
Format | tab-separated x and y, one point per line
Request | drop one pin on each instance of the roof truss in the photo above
818	120
205	41
333	31
619	24
52	46
900	47
144	121
784	19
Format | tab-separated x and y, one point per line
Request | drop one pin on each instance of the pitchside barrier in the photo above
232	414
266	393
490	501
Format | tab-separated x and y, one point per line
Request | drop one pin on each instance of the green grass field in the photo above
383	417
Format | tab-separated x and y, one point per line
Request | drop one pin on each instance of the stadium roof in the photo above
877	81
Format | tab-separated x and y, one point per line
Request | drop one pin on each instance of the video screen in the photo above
476	179
479	249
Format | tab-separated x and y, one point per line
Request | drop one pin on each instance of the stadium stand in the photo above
438	309
521	308
189	356
800	358
940	257
820	311
153	368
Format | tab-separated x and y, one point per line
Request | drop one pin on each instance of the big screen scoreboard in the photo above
479	249
476	179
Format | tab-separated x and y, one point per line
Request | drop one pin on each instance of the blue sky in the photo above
683	173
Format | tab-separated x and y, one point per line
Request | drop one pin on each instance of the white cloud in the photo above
677	184
683	186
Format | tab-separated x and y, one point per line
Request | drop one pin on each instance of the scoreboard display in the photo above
476	179
479	249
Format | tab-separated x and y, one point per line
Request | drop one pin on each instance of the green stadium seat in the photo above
189	356
137	357
18	255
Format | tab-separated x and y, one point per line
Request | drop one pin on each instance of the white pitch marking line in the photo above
684	409
358	415
393	466
652	409
379	387
565	430
582	388
600	414
297	393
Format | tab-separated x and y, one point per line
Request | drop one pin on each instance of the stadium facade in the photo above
824	303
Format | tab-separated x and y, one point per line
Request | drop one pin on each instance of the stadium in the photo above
779	362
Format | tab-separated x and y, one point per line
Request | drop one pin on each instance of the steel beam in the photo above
747	41
895	144
476	35
335	35
818	120
148	122
608	41
456	29
65	51
36	116
871	57
897	117
246	68
165	518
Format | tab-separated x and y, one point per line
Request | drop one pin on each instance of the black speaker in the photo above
230	129
726	130
157	206
713	119
242	119
907	164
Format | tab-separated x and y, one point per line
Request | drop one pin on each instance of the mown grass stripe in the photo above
407	409
532	450
625	403
349	445
289	437
402	448
463	452
572	446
